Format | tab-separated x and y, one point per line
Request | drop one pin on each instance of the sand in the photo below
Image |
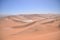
30	27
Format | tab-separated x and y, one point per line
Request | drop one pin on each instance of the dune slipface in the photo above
30	27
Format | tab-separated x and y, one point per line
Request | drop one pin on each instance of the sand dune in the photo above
30	27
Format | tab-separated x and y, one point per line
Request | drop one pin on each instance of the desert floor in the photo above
30	27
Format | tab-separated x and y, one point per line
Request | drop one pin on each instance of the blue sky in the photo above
29	6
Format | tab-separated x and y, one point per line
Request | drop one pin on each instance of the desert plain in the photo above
30	27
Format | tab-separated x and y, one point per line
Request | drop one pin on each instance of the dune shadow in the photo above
23	26
48	22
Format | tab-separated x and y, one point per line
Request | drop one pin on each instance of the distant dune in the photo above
30	27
